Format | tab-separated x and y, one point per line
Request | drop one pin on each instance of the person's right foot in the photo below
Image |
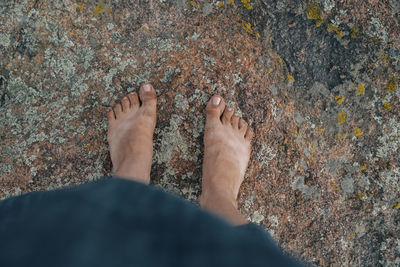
227	140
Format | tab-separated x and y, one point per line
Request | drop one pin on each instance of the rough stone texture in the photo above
317	80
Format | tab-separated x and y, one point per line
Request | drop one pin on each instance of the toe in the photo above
215	107
111	115
249	134
148	97
126	104
226	117
235	121
118	110
133	97
242	126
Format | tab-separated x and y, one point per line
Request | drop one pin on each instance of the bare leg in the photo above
227	140
130	134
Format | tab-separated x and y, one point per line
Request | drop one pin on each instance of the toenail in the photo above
229	109
147	88
216	100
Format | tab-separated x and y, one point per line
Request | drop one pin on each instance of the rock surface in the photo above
317	80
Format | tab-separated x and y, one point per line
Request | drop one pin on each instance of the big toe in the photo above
148	97
215	107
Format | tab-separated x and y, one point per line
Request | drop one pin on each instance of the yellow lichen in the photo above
361	196
109	11
318	23
339	99
355	32
280	60
358	132
99	9
193	3
232	2
103	26
392	84
248	28
341	136
341	117
335	187
320	129
220	3
80	6
387	105
290	78
335	28
363	167
360	89
375	39
313	11
246	4
397	206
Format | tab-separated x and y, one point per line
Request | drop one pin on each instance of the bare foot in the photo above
130	134
227	140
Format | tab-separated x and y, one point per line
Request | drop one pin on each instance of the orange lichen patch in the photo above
193	3
80	6
290	78
360	89
361	196
220	3
313	11
103	26
99	9
358	132
397	206
355	32
335	29
391	85
109	11
363	167
341	117
387	105
339	99
246	4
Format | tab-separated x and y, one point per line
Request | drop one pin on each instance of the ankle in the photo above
216	200
224	207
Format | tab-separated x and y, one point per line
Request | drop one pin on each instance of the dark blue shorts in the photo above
117	222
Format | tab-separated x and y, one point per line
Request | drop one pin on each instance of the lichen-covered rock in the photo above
317	80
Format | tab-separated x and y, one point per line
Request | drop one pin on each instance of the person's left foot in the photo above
130	134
